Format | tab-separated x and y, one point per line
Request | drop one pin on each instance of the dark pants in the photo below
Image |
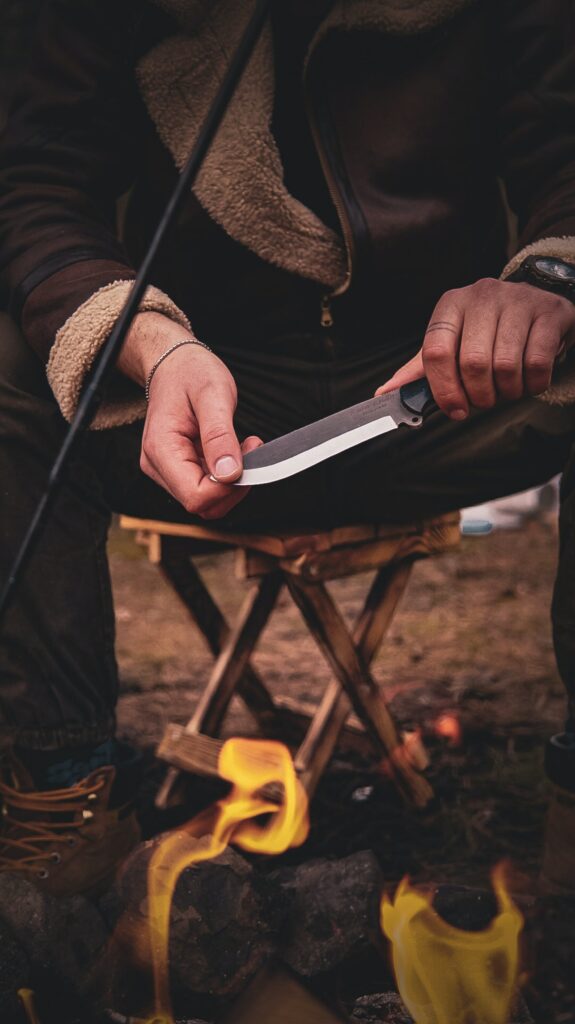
58	677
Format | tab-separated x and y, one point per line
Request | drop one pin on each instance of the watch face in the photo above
554	269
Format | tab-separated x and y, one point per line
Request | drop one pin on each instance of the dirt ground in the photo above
473	640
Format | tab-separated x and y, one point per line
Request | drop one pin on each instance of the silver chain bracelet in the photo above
168	352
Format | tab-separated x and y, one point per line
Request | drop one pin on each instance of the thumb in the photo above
250	443
220	445
412	370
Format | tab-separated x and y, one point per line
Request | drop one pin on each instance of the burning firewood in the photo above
445	973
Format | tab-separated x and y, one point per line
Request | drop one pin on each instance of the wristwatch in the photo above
549	273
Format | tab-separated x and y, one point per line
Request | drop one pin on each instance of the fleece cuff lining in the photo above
80	339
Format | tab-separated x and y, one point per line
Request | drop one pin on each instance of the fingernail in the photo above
226	465
458	414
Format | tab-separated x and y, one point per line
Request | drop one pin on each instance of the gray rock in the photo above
387	1008
225	919
60	939
382	1008
521	1013
334	911
15	973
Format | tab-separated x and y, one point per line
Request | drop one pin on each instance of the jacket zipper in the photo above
326	317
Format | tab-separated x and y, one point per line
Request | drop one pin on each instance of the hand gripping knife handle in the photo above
417	399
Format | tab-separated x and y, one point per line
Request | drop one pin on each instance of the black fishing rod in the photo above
94	391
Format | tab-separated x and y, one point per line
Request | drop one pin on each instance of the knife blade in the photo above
307	446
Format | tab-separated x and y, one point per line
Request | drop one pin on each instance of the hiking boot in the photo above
69	840
558	869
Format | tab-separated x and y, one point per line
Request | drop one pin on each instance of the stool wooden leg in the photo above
229	666
183	577
374	621
331	634
380	606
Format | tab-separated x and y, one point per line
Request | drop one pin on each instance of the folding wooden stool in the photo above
303	563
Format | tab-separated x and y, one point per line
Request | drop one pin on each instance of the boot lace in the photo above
33	821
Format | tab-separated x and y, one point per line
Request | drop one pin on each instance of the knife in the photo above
306	446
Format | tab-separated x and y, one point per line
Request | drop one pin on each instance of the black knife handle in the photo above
417	397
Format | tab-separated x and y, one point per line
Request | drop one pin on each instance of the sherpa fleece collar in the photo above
241	182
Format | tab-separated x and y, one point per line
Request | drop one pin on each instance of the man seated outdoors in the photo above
348	232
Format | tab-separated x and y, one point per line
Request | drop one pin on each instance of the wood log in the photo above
199	754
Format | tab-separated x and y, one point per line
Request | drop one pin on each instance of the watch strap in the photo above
529	273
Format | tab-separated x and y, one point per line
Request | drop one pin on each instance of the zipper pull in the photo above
326	314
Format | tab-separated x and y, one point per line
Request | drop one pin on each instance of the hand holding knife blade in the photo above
307	446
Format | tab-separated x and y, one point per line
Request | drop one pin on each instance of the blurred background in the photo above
17	22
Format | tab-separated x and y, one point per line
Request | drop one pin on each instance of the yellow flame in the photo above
28	1002
446	975
249	765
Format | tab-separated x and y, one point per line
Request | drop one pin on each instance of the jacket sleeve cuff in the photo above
78	342
57	296
563	248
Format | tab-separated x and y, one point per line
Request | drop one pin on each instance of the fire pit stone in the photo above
333	911
387	1008
55	942
225	918
15	973
376	1009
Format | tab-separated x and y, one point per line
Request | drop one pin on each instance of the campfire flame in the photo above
449	728
28	1004
250	765
446	975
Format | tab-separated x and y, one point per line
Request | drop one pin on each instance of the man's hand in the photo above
492	340
188	433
